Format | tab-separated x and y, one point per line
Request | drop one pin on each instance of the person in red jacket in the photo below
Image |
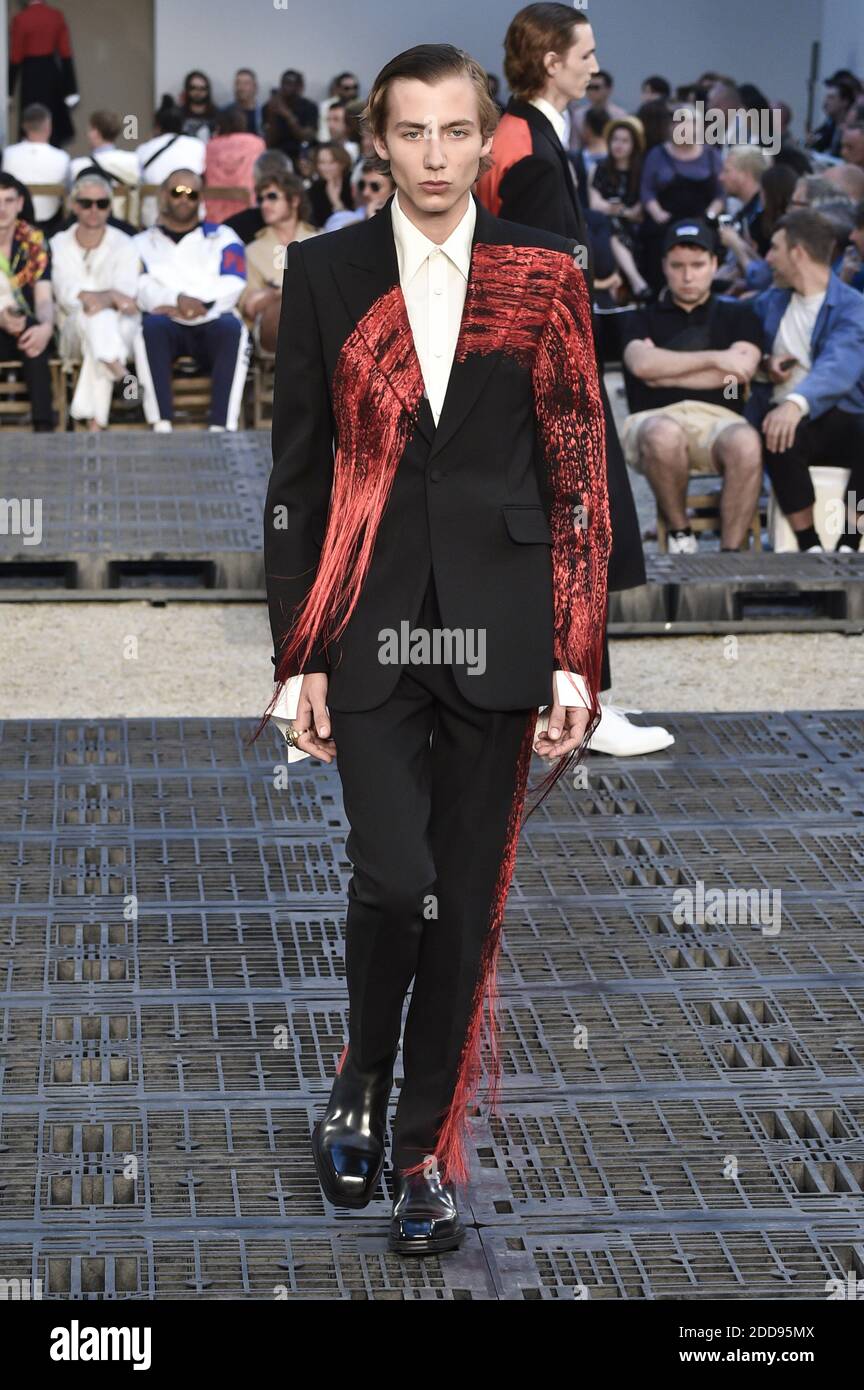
39	46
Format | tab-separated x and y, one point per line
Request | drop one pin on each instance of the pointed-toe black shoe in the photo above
348	1143
425	1218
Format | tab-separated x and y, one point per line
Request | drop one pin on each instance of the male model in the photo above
424	585
549	60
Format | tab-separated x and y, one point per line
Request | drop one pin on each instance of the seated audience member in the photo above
372	191
852	271
810	406
26	303
229	162
778	186
120	167
654	87
196	105
593	147
35	160
284	208
687	360
272	164
330	189
680	178
614	181
290	119
852	145
193	274
95	269
741	177
168	150
838	100
847	179
338	131
655	118
246	100
599	99
344	87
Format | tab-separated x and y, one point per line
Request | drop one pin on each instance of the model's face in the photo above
572	71
433	141
689	272
87	209
621	144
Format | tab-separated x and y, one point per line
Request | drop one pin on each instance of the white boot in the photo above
616	735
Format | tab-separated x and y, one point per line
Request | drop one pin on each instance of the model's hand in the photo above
312	715
567	725
779	427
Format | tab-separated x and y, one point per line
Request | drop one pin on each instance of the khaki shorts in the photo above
701	423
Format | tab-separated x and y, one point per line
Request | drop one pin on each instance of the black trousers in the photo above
430	786
37	375
837	437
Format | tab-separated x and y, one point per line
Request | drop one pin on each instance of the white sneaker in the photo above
810	549
163	427
682	545
616	735
846	550
216	429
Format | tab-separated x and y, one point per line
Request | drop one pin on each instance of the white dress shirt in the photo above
434	282
560	122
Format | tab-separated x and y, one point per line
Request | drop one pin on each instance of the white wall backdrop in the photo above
762	41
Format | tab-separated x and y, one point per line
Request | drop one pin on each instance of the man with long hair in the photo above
424	586
549	60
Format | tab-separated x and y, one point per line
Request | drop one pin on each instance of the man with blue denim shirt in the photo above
811	408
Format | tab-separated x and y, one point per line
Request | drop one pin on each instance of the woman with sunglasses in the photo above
95	274
284	208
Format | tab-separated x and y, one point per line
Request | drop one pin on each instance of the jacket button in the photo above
435	475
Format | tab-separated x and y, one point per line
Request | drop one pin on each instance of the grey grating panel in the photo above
160	1069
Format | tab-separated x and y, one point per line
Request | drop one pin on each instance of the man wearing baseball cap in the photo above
688	359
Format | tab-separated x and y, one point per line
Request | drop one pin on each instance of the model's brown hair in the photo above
431	63
533	32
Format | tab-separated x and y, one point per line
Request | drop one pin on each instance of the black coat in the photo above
476	500
540	190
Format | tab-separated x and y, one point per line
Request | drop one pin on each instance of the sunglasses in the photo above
184	191
271	197
373	185
100	203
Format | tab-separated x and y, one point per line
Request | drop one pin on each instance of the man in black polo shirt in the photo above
687	361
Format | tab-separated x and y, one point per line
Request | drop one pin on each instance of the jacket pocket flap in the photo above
527	523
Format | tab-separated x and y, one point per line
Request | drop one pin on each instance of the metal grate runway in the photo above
682	1107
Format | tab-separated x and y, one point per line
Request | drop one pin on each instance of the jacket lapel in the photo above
373	270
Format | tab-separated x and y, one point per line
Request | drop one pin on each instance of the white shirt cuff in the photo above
801	401
572	689
285	710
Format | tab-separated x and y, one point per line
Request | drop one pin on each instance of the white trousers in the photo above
106	336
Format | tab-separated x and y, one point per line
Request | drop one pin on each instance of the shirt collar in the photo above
556	117
413	246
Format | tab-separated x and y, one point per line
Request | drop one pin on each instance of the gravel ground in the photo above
73	660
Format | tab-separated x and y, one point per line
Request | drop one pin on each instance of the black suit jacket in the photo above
539	188
485	500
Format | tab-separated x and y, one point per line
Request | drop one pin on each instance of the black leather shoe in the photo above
425	1218
348	1143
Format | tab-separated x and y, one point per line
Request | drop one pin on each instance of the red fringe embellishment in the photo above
451	1144
340	1064
375	405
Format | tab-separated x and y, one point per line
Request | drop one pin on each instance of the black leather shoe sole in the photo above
425	1245
330	1188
